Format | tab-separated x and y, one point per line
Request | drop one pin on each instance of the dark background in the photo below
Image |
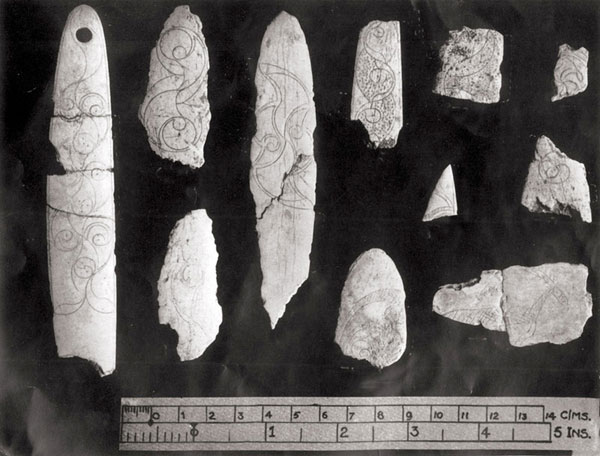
365	198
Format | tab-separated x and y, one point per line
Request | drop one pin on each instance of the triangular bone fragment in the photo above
187	287
570	72
176	112
283	169
442	202
377	88
555	183
372	320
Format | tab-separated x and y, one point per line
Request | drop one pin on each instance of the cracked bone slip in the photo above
442	202
80	211
570	72
471	61
377	87
555	183
187	287
546	303
372	320
283	170
176	112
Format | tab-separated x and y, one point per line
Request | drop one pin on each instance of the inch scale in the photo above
360	423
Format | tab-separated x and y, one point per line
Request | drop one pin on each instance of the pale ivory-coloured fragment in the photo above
570	72
471	61
176	111
372	320
283	169
475	303
547	303
187	287
442	202
555	183
377	88
80	203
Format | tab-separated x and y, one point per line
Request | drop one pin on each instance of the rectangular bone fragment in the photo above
80	203
547	303
176	111
475	303
471	61
187	287
372	320
283	170
555	183
377	87
442	202
570	72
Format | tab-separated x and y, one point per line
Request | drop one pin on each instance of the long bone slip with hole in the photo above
80	203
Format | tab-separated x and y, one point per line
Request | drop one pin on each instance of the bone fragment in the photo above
372	320
377	88
442	202
555	183
176	112
80	210
471	61
570	72
283	170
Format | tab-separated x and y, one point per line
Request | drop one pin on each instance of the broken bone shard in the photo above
80	209
176	112
442	202
471	61
187	287
547	303
555	183
377	88
372	320
570	72
283	170
475	303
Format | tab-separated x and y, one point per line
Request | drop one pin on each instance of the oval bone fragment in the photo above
442	202
283	170
176	112
377	87
471	61
570	72
555	183
187	287
372	320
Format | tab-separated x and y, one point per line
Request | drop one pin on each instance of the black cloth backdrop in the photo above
365	198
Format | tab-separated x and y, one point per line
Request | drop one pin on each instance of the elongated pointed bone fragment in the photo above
471	61
547	303
555	183
442	202
176	112
187	287
372	320
377	88
475	303
570	72
283	170
80	204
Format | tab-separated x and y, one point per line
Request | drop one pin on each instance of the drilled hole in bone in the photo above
84	34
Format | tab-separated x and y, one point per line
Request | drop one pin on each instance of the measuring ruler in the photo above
360	423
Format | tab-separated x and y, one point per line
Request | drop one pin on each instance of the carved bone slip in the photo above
187	287
283	170
570	72
377	87
80	204
470	70
442	202
176	111
372	320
